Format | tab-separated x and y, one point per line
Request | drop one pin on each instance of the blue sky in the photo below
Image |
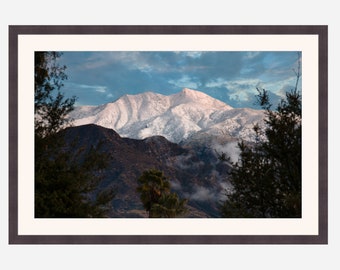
102	77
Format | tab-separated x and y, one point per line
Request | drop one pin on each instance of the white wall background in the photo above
149	12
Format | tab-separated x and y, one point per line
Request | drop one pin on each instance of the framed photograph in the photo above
168	134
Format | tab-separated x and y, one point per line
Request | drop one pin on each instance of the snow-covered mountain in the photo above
177	117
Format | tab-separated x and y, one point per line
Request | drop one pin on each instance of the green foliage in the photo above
168	206
267	178
50	105
156	197
65	186
152	185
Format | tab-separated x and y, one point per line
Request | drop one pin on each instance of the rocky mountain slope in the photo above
181	135
176	117
194	174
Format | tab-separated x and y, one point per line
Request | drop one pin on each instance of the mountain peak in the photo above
193	93
188	91
188	95
176	117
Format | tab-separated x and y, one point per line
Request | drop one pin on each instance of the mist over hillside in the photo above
181	135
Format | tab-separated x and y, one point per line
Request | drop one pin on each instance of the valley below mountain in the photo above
195	173
181	135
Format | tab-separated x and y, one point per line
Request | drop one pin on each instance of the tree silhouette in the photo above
50	105
168	206
266	180
65	187
156	197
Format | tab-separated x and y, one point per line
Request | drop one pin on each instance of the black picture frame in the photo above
320	30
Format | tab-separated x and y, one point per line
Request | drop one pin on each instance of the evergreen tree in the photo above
65	186
267	178
50	106
156	197
168	206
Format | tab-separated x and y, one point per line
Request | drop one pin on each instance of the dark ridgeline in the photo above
189	171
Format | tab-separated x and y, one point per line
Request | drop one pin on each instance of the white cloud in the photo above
203	194
176	185
250	55
185	81
239	90
131	60
95	88
231	149
193	54
219	82
101	89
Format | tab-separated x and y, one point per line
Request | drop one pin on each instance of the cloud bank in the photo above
100	77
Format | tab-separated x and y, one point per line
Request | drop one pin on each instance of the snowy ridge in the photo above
176	117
